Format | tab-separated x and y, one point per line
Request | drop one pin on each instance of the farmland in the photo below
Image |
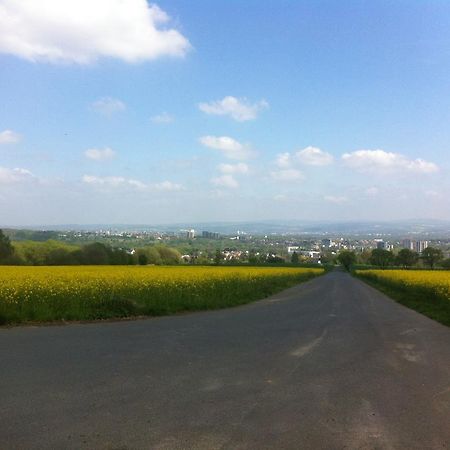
426	291
41	294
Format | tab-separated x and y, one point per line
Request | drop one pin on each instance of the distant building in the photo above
190	234
407	243
291	250
326	243
420	246
310	254
210	235
417	246
384	245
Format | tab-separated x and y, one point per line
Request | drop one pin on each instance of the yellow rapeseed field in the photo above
91	292
434	282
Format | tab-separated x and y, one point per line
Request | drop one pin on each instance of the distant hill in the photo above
419	227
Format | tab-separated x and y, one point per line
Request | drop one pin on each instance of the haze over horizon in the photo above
170	112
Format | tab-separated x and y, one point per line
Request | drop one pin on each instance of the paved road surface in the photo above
330	364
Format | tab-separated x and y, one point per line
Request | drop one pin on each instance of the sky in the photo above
132	112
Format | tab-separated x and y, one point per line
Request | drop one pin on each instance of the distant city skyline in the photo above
172	112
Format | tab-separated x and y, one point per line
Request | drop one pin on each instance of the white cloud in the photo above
113	182
287	175
240	168
122	182
227	178
309	156
313	156
239	109
17	175
284	160
230	148
421	166
162	118
100	154
338	200
227	181
167	186
108	106
286	172
82	31
382	162
9	137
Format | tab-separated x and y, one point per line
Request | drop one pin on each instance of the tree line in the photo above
54	253
430	257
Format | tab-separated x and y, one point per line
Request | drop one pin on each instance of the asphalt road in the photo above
329	364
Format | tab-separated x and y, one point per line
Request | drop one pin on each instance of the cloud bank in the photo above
9	137
17	175
82	31
239	109
226	180
100	154
122	182
313	156
309	156
286	175
239	168
229	147
382	162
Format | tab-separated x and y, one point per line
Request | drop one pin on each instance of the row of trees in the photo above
54	253
430	257
6	248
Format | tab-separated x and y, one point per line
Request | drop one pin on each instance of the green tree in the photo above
142	259
274	259
151	253
431	256
407	257
218	257
6	248
381	258
33	253
294	258
347	258
49	252
446	263
364	257
96	253
59	257
169	255
203	259
118	256
252	258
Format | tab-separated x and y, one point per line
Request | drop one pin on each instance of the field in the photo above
30	294
426	291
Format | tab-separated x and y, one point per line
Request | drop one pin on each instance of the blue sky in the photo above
223	110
